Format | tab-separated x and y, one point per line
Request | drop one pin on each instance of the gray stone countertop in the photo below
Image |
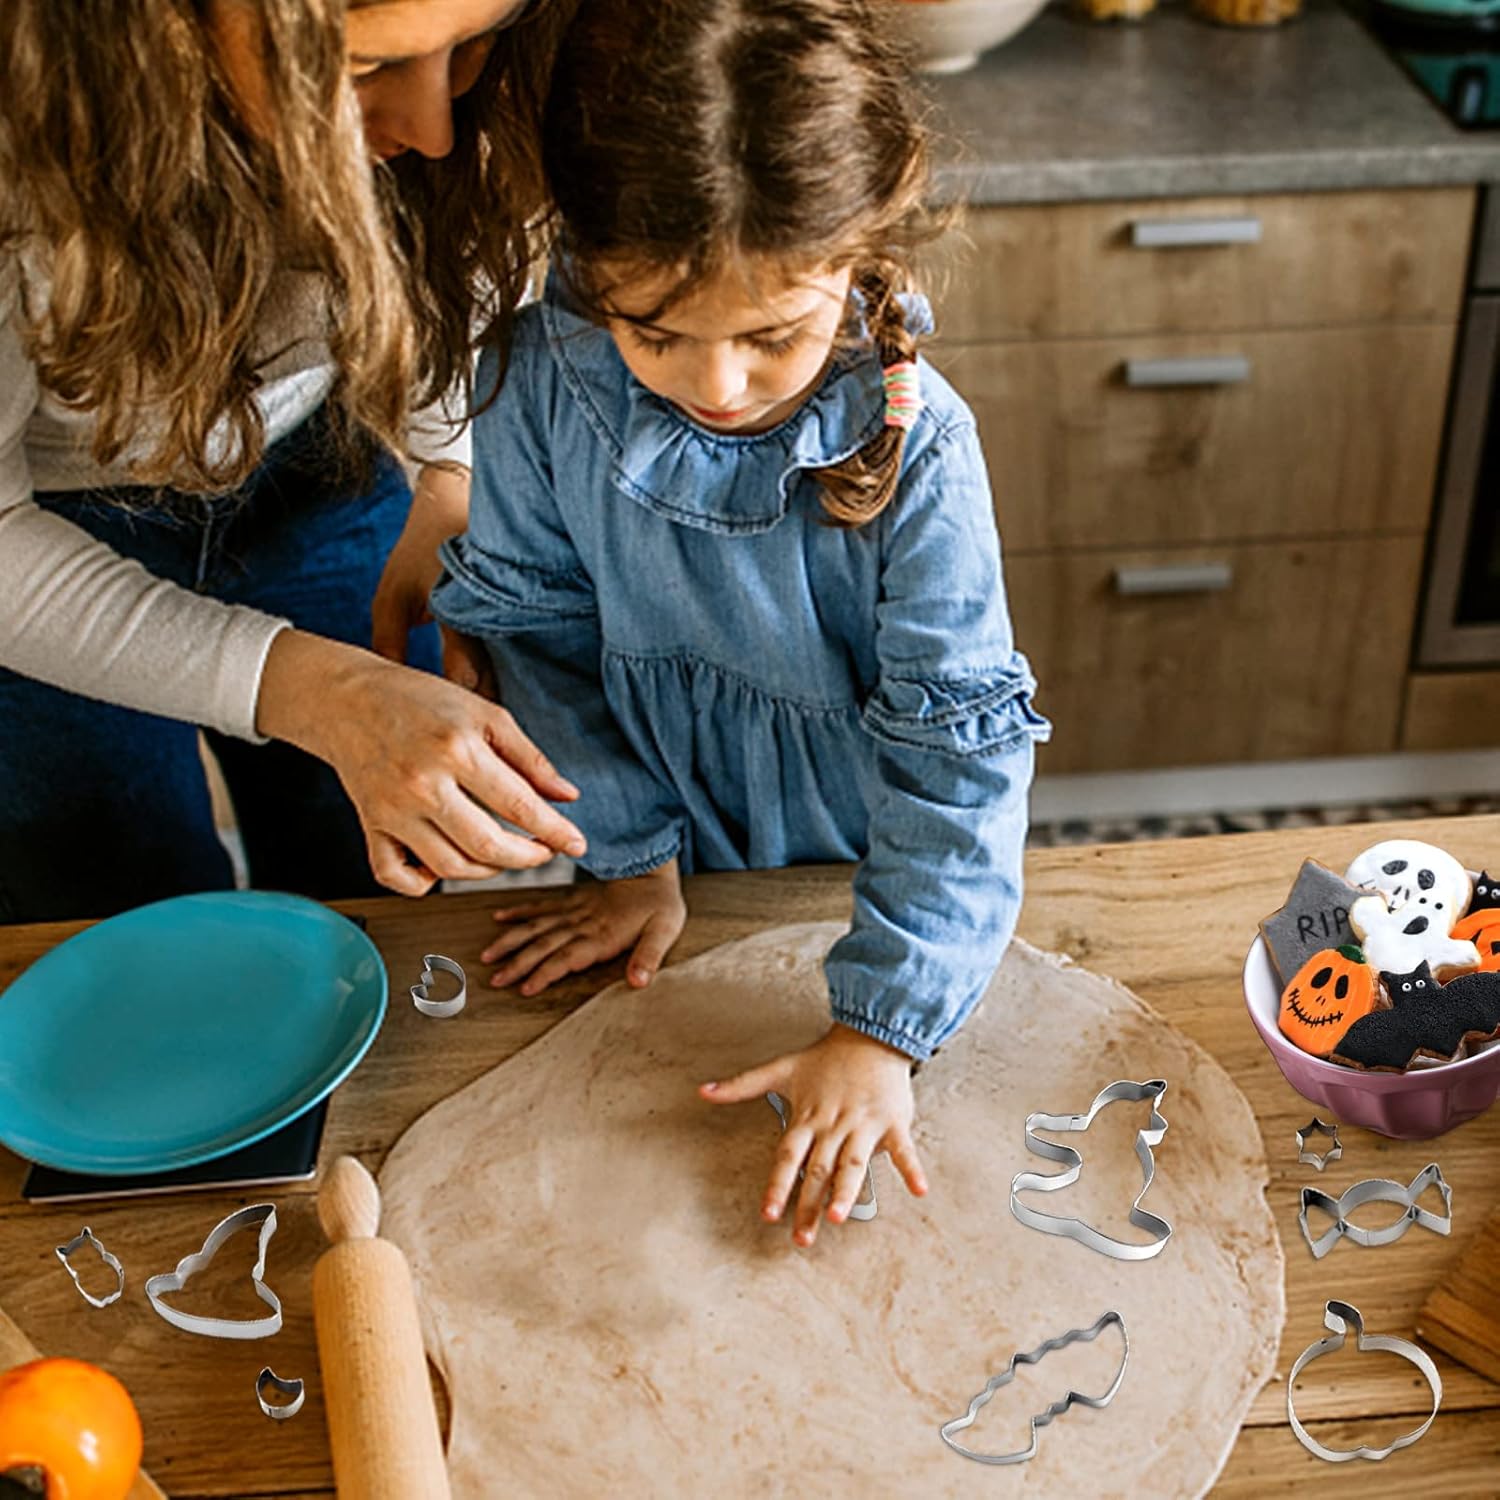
1176	106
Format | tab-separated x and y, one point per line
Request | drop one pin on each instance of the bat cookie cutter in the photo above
1339	1317
64	1252
278	1411
1314	1159
263	1214
1075	1229
863	1207
1376	1190
1056	1409
421	991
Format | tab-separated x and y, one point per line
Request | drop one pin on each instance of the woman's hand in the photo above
850	1096
425	763
561	935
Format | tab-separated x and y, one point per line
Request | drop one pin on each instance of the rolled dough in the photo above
613	1317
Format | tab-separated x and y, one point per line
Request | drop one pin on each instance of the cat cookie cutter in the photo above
1075	1229
279	1411
422	989
1335	1151
1376	1190
1339	1317
263	1214
64	1252
1056	1409
864	1206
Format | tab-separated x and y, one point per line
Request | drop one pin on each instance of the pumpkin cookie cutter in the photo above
1056	1409
1339	1317
64	1254
1376	1190
278	1411
1335	1151
263	1214
421	991
1075	1229
864	1206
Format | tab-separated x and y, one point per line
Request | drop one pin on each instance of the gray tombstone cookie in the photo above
1316	915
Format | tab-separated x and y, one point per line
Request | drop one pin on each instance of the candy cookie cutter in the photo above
1056	1409
1376	1190
1317	1161
64	1252
864	1206
1340	1317
279	1411
263	1214
1075	1229
421	991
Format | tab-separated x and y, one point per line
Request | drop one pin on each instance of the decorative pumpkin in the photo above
1482	928
74	1422
1327	995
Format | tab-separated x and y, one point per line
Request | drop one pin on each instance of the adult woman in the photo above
207	289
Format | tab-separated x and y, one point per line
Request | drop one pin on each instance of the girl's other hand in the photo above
544	940
850	1096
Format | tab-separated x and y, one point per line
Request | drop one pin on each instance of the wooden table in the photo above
1172	920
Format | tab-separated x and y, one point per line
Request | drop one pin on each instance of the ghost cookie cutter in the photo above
421	991
1376	1190
864	1206
1075	1229
1339	1317
1056	1409
1319	1160
64	1252
278	1411
263	1214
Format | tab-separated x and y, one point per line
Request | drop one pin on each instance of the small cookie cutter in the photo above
421	990
1056	1409
263	1214
1376	1190
77	1243
1339	1317
1315	1126
864	1206
1075	1229
279	1411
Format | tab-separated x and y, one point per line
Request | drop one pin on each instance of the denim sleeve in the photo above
937	896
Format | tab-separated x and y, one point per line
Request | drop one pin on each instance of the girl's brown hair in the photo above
690	135
170	232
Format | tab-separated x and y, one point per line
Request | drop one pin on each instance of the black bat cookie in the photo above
1425	1016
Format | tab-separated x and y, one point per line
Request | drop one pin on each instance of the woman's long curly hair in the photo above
168	230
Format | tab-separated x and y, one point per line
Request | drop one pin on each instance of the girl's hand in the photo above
850	1096
561	935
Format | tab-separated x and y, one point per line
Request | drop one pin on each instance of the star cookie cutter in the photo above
1056	1409
263	1214
1075	1229
864	1206
1376	1190
278	1411
1335	1151
1339	1317
64	1252
421	991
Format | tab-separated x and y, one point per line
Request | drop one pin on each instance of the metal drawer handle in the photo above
1175	578
1173	234
1206	369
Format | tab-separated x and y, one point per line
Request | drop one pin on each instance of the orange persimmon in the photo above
74	1422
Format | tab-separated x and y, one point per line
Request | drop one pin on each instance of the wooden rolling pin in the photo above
382	1424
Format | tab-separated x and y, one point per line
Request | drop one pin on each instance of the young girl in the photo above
732	547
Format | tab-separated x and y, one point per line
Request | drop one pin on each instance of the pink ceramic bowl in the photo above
1411	1106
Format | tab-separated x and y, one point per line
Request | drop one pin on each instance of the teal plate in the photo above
171	1034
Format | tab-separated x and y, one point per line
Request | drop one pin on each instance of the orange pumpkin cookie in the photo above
1327	995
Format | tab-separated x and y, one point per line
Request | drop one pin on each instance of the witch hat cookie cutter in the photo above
263	1214
1075	1229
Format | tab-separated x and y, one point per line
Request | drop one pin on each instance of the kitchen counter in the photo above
1178	107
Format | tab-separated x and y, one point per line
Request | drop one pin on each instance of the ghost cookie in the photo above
1398	941
1316	916
1426	1018
1408	872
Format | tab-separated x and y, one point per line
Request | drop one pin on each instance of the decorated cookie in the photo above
1408	872
1482	928
1316	916
1331	991
1425	1018
1400	939
1486	894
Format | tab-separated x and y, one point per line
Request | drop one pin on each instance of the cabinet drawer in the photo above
1077	269
1452	711
1316	432
1295	650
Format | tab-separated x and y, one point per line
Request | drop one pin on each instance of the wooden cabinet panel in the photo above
1303	653
1452	711
1334	431
1071	269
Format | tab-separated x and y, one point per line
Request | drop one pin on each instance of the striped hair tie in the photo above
903	397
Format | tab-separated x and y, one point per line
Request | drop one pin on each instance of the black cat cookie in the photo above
1426	1019
1316	916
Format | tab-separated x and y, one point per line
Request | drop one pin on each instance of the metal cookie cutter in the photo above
442	1009
1056	1409
1339	1317
279	1411
864	1206
1376	1190
263	1214
1315	1126
77	1243
1075	1229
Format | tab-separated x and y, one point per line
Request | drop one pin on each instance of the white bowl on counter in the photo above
947	36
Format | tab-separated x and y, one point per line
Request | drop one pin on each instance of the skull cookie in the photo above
1327	995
